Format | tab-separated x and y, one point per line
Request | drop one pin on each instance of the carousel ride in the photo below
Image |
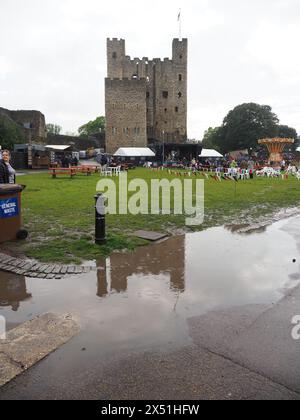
276	148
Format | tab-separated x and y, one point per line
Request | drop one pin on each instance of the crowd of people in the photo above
226	164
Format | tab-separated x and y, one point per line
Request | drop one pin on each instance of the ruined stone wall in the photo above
125	114
33	119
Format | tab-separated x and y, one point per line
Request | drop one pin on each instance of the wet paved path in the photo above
202	316
34	269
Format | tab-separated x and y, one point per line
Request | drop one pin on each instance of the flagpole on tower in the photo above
180	25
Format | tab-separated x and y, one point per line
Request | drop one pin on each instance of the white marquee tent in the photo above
57	148
134	152
210	153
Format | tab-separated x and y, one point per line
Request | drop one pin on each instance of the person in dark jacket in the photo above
7	172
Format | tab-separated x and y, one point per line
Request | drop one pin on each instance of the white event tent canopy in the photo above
210	153
58	148
134	152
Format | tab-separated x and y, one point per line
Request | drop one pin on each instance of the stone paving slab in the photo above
31	342
8	369
34	269
150	236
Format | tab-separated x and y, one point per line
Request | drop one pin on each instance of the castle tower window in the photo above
165	94
180	78
166	110
176	109
179	95
180	56
114	55
147	95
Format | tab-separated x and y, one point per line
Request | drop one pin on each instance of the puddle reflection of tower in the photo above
165	257
13	290
103	276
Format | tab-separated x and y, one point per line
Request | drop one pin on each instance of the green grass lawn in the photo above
60	216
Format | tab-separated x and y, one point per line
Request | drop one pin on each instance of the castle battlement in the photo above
183	40
115	40
145	60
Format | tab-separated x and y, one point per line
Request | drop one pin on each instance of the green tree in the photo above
246	124
10	133
284	131
93	127
53	129
211	139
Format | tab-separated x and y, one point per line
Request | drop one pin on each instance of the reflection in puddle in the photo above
160	259
143	299
12	290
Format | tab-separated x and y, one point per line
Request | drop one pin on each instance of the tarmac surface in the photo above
177	320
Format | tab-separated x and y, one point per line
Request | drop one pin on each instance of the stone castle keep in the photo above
145	100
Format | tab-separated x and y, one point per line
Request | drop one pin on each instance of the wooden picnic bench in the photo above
87	169
62	171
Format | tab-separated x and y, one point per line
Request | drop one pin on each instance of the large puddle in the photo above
142	300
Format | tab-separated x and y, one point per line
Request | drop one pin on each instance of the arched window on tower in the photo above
114	55
180	78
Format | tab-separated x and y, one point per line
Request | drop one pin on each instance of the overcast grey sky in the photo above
53	54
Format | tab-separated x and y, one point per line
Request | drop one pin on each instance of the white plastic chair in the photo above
106	172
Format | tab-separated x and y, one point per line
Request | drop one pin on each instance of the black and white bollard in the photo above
100	230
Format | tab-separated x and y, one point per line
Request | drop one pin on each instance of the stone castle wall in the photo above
125	114
164	96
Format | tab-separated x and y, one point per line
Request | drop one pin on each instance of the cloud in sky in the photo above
53	54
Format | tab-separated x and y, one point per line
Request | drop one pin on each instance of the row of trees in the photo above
244	126
90	129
